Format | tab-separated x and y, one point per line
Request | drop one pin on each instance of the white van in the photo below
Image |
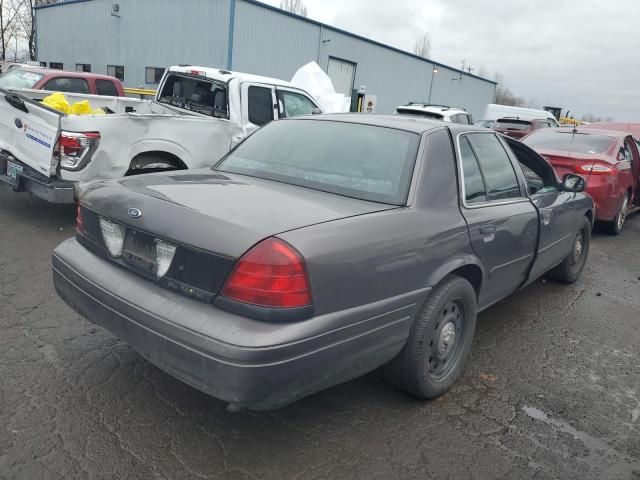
494	112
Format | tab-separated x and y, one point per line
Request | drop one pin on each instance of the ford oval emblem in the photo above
135	213
18	123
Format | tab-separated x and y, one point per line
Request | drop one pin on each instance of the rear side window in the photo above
107	88
474	189
294	104
260	105
67	85
464	119
498	173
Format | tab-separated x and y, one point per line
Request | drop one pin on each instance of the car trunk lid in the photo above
566	162
221	213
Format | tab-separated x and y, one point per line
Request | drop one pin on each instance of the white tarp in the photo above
315	81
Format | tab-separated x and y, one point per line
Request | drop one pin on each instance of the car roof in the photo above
427	107
400	122
66	73
226	75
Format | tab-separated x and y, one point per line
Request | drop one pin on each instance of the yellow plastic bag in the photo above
58	102
81	108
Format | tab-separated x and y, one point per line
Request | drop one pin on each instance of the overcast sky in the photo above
580	55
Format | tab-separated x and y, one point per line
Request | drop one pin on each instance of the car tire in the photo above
433	358
571	267
615	227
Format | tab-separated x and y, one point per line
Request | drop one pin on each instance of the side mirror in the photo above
316	111
573	183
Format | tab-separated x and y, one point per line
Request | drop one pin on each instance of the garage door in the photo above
342	74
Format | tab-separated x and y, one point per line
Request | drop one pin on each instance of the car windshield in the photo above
196	94
361	161
568	141
509	124
19	79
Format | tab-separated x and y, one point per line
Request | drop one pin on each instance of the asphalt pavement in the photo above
552	390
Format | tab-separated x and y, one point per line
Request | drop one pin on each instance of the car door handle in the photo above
488	229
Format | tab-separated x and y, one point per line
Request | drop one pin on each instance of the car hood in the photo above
221	213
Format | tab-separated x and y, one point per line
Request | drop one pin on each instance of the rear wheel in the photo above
615	227
571	267
439	342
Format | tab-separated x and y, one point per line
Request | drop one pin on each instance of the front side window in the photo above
260	105
293	104
499	176
67	85
116	71
474	189
20	79
361	161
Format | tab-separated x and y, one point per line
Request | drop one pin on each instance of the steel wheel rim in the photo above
446	340
622	214
578	247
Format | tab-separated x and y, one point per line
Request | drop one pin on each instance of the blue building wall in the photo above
266	41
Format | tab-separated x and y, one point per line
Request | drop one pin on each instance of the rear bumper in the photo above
29	180
257	365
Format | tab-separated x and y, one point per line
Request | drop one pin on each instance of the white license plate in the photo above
13	169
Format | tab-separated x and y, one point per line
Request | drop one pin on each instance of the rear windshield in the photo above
196	94
360	161
567	141
419	113
509	124
19	79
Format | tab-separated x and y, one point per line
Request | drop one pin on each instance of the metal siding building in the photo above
247	36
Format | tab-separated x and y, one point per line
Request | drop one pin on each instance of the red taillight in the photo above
594	169
75	149
79	221
271	274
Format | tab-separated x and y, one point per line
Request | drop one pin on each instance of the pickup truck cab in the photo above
197	116
62	81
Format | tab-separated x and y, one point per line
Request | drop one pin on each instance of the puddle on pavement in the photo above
621	463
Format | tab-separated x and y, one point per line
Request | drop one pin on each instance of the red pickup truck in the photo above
62	81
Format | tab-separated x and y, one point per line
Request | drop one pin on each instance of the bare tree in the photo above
9	24
504	96
422	47
26	21
294	6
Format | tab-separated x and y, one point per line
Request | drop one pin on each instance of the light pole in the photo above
434	70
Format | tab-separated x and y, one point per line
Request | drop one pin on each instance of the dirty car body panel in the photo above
375	240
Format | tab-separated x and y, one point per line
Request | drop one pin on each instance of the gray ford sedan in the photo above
320	249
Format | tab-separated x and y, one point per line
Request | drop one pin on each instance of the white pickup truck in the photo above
197	116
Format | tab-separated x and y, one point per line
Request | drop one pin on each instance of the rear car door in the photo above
558	216
502	221
28	132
